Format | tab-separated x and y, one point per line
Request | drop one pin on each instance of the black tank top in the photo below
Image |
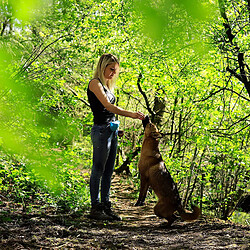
101	114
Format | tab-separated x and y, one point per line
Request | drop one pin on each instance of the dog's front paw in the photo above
139	203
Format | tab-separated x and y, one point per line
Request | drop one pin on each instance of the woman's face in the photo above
111	70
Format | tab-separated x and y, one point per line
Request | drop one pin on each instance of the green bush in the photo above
22	185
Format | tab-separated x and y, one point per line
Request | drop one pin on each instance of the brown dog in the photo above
155	174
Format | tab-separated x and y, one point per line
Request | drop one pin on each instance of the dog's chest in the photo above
150	155
147	161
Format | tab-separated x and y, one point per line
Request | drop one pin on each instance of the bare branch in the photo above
144	95
243	72
222	89
229	134
226	25
35	57
212	94
234	73
232	125
75	93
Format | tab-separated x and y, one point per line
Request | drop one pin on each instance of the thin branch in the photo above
37	48
241	96
144	95
229	134
232	125
242	76
133	97
212	94
3	197
31	61
243	72
222	89
75	93
226	25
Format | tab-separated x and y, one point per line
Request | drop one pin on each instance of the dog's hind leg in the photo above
143	191
171	219
163	211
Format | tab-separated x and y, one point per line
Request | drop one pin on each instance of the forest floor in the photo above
139	229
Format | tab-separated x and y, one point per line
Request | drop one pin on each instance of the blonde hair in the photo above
104	61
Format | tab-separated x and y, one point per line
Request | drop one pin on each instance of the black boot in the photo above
109	212
97	213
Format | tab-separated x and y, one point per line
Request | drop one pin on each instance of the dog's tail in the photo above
187	216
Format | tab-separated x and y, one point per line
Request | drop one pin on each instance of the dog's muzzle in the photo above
145	121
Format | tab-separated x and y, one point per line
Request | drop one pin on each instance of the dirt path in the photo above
139	229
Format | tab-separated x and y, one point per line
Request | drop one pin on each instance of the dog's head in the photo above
150	129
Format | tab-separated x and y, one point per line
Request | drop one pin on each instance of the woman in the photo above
104	140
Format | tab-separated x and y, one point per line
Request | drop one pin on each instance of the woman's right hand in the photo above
138	115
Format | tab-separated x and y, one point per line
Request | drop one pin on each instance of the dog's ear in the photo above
145	121
156	135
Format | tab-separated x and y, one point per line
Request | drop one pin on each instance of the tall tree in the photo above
235	18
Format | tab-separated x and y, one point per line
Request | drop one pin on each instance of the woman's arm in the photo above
96	87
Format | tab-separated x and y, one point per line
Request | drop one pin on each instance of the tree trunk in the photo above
125	164
243	74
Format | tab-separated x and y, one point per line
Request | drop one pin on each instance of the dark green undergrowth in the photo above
23	185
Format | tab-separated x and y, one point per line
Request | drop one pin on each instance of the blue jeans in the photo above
104	153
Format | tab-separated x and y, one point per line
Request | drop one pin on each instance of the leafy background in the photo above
184	64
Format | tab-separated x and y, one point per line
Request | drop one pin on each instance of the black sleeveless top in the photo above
101	114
